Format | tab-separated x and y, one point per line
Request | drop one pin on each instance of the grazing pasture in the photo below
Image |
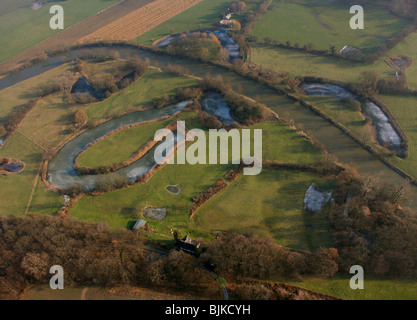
375	289
325	23
23	27
119	208
271	205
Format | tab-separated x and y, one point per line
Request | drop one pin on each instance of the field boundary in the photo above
140	21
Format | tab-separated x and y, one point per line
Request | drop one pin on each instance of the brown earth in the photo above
141	20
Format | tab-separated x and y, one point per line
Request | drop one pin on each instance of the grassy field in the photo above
44	292
344	114
325	24
202	15
121	207
24	27
373	289
16	190
8	6
51	120
124	144
19	94
269	204
48	124
303	64
280	143
408	47
404	109
140	94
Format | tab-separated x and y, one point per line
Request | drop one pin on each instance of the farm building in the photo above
139	224
188	245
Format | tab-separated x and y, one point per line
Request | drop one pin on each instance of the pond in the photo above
214	103
12	167
83	86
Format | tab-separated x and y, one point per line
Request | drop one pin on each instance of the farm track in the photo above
141	20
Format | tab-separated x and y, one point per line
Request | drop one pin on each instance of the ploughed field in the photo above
140	21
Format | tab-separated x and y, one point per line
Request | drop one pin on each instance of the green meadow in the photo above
121	208
374	289
16	190
404	109
325	23
304	64
23	27
154	84
124	144
345	115
271	205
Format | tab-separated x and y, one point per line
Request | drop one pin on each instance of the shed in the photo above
139	224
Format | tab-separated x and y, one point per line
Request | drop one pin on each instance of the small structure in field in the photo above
36	5
139	225
315	199
351	52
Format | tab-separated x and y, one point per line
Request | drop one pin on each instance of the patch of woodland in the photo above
89	255
372	228
246	111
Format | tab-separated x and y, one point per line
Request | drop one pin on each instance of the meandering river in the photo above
335	141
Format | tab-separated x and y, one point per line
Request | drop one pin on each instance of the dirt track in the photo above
73	34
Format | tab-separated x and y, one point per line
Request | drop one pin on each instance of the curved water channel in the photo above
61	172
335	141
385	133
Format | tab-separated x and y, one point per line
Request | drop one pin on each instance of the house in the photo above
188	245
